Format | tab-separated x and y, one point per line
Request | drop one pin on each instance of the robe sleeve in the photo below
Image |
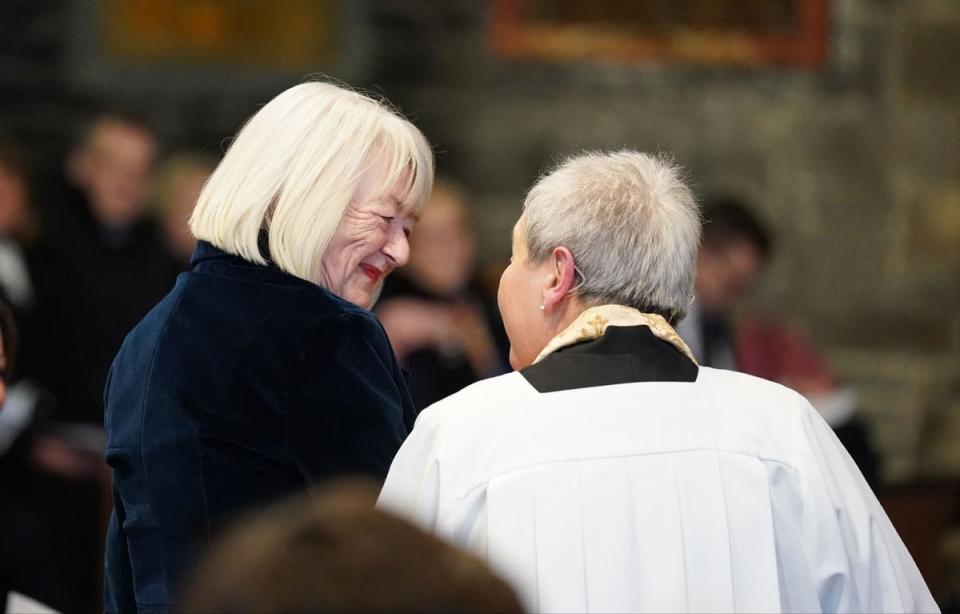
857	560
412	488
349	408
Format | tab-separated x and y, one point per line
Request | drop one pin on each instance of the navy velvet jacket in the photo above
242	385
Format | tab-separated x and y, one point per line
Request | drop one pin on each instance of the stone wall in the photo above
856	165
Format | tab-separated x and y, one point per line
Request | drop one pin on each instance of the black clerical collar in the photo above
623	355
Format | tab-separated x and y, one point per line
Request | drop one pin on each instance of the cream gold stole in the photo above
593	323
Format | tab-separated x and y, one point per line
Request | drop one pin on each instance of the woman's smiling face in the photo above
369	243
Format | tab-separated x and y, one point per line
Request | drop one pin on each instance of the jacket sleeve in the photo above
349	408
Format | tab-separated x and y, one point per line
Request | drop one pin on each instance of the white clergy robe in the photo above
598	481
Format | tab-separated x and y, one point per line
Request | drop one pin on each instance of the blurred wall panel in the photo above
853	158
739	32
282	35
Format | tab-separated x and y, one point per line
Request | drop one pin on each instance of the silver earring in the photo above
541	307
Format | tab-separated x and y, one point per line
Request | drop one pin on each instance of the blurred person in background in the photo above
18	232
37	541
9	344
611	472
263	371
29	564
18	228
442	324
179	183
102	262
735	250
332	551
97	267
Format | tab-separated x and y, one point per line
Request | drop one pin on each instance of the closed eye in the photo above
389	218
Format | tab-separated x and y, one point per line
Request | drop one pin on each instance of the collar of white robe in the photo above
593	323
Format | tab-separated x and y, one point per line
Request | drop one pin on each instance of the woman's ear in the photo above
561	280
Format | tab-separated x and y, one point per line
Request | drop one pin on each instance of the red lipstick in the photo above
371	271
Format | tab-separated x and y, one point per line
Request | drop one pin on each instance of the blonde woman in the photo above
263	372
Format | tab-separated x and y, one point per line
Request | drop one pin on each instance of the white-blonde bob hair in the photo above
629	220
295	167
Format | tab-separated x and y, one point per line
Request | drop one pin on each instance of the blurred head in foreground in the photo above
333	551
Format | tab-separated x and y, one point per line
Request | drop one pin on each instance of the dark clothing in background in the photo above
93	285
436	374
50	537
854	434
718	342
49	528
243	385
90	286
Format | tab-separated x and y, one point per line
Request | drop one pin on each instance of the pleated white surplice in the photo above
728	494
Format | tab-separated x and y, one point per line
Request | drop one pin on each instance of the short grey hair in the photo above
629	220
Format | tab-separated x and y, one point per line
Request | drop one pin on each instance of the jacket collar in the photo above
205	251
208	258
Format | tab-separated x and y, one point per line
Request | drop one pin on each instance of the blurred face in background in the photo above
14	211
181	181
114	168
726	274
442	249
